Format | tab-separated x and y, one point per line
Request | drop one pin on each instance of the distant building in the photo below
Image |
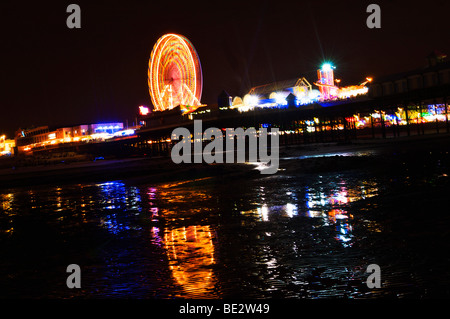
224	99
31	136
28	139
435	74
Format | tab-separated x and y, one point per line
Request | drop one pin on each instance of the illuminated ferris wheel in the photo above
174	73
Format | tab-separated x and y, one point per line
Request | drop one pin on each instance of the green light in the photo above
327	67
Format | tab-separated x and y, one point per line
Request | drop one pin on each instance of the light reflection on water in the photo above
116	198
325	201
182	224
331	154
190	252
189	249
190	258
6	204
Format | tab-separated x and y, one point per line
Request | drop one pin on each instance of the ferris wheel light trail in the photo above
174	73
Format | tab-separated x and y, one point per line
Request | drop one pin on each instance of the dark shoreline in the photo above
294	159
139	170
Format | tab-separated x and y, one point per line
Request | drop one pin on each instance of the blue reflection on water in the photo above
118	200
115	195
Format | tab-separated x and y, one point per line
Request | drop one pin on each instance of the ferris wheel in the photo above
174	73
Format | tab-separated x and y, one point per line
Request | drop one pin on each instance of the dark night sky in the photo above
52	75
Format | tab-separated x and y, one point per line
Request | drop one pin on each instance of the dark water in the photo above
285	236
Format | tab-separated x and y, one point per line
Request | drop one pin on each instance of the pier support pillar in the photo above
408	132
446	115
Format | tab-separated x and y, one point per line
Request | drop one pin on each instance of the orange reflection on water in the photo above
335	214
174	202
175	184
6	202
190	251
